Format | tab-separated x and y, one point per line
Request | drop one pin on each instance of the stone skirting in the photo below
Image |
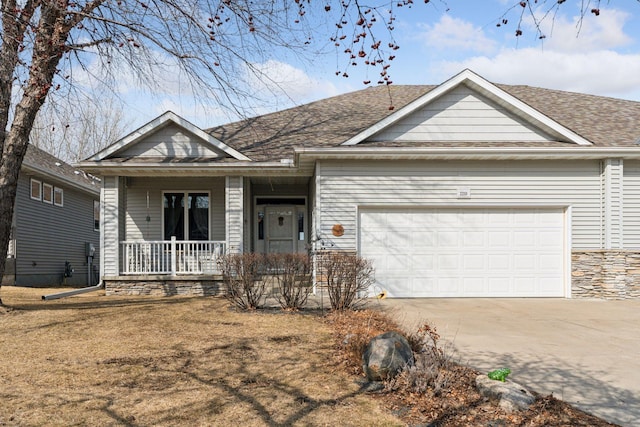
606	274
164	285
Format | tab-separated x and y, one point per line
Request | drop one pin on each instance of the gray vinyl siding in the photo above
47	235
461	115
171	141
631	213
136	225
343	188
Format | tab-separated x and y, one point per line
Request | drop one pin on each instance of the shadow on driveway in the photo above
584	352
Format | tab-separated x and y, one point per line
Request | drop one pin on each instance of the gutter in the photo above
73	292
472	153
203	169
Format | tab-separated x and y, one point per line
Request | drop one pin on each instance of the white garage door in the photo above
466	252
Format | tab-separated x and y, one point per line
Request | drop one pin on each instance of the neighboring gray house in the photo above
465	189
56	219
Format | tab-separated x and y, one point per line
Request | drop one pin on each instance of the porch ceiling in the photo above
280	180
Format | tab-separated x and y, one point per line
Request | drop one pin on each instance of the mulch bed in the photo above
456	404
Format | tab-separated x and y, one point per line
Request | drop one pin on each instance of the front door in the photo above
281	229
280	226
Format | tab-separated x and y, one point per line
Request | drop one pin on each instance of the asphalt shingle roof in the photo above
46	163
606	122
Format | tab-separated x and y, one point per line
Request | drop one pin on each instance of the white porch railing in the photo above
171	257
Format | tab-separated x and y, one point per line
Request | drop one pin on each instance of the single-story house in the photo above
463	189
54	226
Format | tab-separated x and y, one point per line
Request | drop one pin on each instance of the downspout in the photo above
73	292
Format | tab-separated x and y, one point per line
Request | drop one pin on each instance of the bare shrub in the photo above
348	278
354	329
432	367
243	278
292	273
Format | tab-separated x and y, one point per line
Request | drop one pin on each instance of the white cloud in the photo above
289	84
584	62
454	33
603	72
605	31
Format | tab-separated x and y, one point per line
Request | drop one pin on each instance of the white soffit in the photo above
484	87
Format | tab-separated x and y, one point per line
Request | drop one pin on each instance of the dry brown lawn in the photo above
96	360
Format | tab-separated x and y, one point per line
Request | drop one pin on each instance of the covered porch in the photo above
166	235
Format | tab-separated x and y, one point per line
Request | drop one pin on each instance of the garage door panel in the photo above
474	238
499	239
525	262
525	239
446	262
474	286
466	252
551	239
422	239
471	262
422	263
447	239
550	263
499	261
498	286
548	287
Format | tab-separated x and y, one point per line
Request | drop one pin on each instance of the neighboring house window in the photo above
186	215
58	196
36	189
47	193
96	215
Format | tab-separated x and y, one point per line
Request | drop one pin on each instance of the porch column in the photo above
109	226
234	213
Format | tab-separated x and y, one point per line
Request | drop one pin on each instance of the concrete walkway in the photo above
585	352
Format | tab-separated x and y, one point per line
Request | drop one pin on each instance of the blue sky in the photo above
598	55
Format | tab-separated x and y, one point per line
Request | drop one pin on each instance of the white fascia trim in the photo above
457	153
195	169
475	81
159	122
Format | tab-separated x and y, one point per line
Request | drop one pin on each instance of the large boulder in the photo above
386	355
511	396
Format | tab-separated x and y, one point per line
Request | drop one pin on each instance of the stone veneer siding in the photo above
164	285
605	274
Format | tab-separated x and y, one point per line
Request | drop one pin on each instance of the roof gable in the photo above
467	108
169	137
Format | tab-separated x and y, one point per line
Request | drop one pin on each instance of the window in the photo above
58	196
96	215
47	193
186	215
36	189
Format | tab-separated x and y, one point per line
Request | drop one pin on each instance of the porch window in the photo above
186	215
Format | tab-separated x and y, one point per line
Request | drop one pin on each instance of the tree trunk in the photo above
9	172
15	148
48	48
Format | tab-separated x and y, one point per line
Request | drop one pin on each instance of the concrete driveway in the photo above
585	352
